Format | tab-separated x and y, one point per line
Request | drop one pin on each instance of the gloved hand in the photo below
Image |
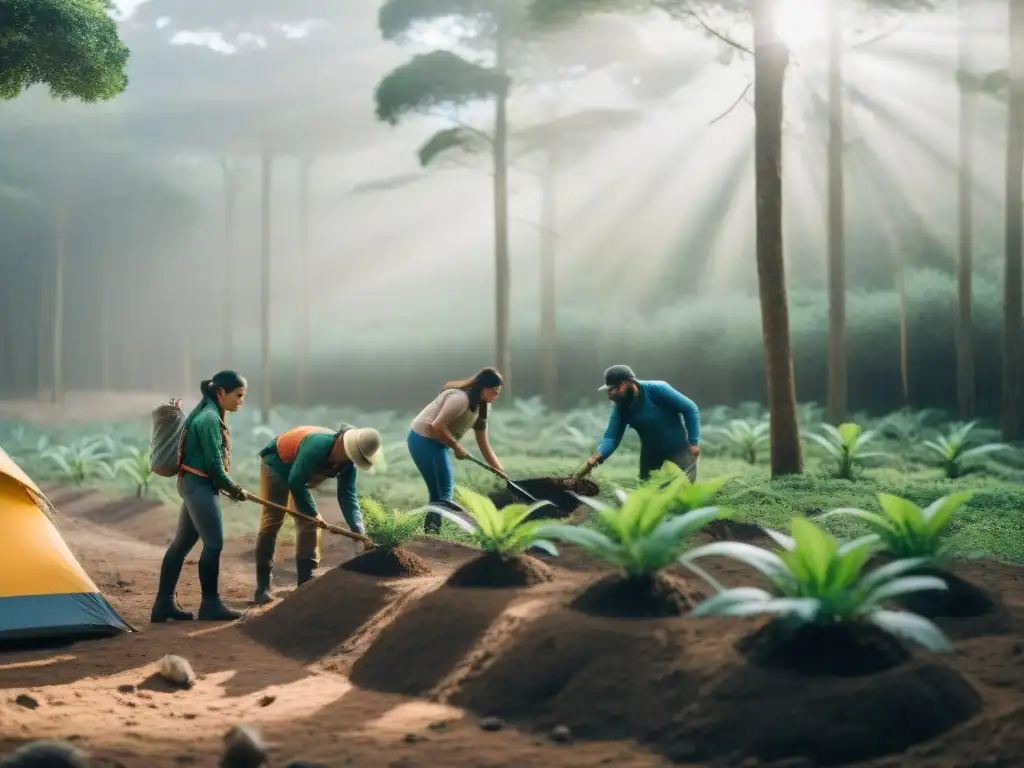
237	493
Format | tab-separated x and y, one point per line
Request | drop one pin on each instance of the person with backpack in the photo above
204	461
435	433
667	422
294	462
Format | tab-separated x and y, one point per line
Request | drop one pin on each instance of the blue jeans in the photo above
434	462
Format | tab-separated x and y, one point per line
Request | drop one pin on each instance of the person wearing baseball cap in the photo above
293	462
667	422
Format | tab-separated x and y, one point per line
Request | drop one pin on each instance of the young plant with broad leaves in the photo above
954	450
846	445
389	529
84	460
747	437
136	466
506	532
814	579
905	530
651	527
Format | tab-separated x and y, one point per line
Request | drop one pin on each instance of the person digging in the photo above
667	422
294	462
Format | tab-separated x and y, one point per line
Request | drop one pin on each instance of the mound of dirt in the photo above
732	530
678	687
388	563
839	650
318	616
655	597
962	610
557	491
496	572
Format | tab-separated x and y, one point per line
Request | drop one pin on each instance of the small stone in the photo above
561	734
189	715
53	754
26	701
491	724
176	670
267	700
126	688
243	748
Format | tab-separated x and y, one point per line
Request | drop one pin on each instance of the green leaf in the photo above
902	586
448	139
767	563
911	627
939	513
876	522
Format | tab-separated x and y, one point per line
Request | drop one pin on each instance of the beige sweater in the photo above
451	408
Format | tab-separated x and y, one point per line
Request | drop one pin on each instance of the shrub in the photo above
505	532
817	580
845	445
389	529
952	450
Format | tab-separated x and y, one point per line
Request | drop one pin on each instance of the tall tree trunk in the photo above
502	267
302	363
266	185
770	61
901	290
106	375
837	378
548	291
1014	227
60	225
965	392
230	196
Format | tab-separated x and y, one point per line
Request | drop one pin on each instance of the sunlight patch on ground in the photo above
411	716
49	661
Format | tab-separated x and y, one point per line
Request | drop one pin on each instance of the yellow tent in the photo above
44	592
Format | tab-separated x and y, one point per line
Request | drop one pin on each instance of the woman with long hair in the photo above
435	433
204	463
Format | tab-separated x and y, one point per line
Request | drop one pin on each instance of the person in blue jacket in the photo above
667	422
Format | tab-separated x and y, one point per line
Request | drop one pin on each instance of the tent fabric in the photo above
44	591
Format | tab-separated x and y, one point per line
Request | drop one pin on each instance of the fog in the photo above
653	200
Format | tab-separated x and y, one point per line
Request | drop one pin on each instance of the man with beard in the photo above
667	422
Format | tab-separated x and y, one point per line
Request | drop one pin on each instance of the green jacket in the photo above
311	466
204	447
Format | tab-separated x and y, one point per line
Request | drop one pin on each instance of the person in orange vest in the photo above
294	462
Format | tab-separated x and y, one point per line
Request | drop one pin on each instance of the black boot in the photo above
211	608
263	595
165	608
305	568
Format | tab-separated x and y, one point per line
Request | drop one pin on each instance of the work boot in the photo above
263	595
212	609
165	608
305	569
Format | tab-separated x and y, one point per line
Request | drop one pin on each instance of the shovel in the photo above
320	522
521	491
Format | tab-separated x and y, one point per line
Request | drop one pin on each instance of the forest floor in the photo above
367	671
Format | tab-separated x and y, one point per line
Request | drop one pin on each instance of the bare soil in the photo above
365	670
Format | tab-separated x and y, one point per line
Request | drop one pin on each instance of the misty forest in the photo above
805	216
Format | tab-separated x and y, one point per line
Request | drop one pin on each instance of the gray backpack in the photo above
166	441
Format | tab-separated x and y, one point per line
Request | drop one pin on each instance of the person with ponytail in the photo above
204	464
435	433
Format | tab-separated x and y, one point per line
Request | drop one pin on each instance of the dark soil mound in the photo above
388	563
731	530
678	687
318	616
658	596
495	572
838	650
559	492
963	610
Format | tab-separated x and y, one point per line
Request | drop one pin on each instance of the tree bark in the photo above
1014	237
305	328
230	196
770	61
548	278
837	376
57	363
266	184
502	266
965	389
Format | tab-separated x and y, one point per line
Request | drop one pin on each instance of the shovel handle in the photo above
320	522
583	471
486	466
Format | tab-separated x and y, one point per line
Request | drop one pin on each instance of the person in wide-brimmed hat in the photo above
667	422
294	462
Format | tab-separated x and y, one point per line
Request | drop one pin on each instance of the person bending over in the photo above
204	463
435	433
294	462
667	422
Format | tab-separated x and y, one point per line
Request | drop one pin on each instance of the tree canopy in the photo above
72	46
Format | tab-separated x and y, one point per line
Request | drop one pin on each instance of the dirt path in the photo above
103	695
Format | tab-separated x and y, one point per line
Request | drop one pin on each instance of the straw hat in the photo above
362	446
